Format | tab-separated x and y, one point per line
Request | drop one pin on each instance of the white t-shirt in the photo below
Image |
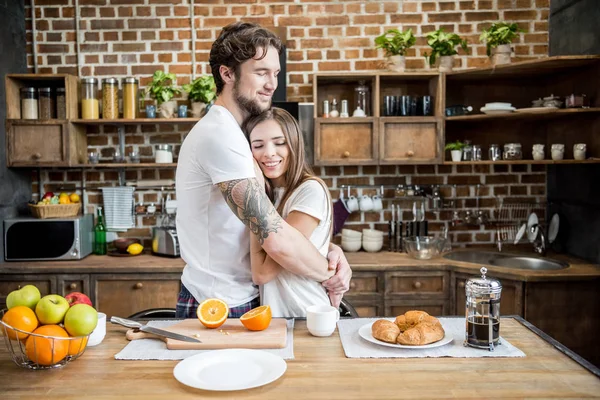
214	243
288	294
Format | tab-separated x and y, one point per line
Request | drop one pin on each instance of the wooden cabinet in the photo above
73	283
349	141
125	294
45	283
409	140
511	300
366	293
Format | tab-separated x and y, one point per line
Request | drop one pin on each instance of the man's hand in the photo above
340	282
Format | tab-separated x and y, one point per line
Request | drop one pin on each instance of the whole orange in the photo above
257	319
77	346
74	197
212	313
47	351
22	318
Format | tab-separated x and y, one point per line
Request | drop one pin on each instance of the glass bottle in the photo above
361	98
467	154
110	98
29	103
100	235
344	112
46	103
61	104
90	107
130	97
334	113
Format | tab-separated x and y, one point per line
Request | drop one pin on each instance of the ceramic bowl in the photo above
349	233
121	244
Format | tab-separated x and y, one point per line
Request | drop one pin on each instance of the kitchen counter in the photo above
360	261
320	371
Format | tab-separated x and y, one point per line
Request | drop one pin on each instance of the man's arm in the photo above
284	244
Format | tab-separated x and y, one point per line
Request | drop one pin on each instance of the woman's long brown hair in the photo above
298	170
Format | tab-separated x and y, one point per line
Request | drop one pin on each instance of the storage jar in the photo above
29	103
61	104
90	107
110	98
163	154
46	103
130	97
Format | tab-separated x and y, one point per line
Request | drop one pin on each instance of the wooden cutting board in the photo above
231	335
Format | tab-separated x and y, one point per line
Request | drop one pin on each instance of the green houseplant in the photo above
201	92
456	149
163	89
497	39
395	43
443	45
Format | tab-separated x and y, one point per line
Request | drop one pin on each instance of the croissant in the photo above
418	328
385	330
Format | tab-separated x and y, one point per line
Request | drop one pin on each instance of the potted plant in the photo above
395	43
443	45
455	149
497	39
201	92
162	89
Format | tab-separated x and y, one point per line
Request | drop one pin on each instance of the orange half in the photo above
257	319
212	313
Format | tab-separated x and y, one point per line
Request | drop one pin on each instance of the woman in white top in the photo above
301	198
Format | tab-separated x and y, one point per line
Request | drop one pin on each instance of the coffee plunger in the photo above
483	312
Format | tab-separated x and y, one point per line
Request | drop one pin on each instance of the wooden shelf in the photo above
525	116
37	121
349	120
137	121
105	166
409	120
513	162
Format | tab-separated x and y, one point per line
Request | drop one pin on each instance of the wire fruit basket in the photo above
36	351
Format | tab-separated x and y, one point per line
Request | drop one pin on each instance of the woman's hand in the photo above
340	282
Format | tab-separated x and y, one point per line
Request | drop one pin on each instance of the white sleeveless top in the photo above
288	294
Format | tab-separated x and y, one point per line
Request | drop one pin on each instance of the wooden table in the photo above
319	371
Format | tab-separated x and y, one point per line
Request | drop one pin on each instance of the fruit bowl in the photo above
37	351
55	210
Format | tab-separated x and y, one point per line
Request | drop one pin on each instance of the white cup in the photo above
352	204
366	203
377	203
321	320
558	151
579	150
99	332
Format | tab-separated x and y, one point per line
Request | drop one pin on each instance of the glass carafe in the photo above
362	98
483	312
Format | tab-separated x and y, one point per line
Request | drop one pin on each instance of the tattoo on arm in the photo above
251	205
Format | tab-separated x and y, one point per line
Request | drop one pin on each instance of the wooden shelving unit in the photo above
513	162
550	114
124	165
137	121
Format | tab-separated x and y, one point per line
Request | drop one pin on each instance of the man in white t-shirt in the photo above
220	195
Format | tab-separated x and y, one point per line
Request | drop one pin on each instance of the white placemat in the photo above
357	347
153	349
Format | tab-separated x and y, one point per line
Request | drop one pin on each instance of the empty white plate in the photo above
497	105
230	369
520	233
365	332
553	229
533	220
493	111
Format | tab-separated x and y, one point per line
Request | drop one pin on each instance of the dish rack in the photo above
512	213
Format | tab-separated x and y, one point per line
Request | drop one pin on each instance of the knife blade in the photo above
155	331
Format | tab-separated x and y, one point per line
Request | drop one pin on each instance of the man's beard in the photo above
252	107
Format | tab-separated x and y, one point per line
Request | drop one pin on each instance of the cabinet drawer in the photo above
366	306
435	308
511	300
416	284
409	142
125	295
365	283
73	283
345	141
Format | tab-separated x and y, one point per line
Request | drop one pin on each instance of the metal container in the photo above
512	151
482	312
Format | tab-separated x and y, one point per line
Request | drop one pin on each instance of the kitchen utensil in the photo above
362	98
392	231
553	229
483	312
155	331
467	151
365	332
423	247
165	241
498	105
232	334
399	229
214	370
425	106
531	221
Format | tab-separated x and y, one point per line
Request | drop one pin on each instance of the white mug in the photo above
322	320
579	151
377	203
99	332
366	204
352	204
558	151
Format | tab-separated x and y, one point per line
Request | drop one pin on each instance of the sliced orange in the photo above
212	313
257	319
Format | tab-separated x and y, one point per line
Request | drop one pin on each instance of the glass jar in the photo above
29	103
512	151
467	154
476	152
344	112
334	113
45	103
483	312
110	98
61	104
130	98
361	98
90	107
325	108
163	154
495	153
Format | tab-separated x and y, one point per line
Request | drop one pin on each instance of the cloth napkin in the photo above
118	208
357	347
153	349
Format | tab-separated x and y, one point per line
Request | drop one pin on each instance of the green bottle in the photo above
100	235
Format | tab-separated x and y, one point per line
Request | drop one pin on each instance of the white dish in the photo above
532	220
365	333
230	369
553	229
536	110
498	105
496	111
520	233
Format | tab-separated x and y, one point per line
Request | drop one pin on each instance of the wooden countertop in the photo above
360	261
319	371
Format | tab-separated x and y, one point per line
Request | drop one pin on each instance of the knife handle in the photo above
125	322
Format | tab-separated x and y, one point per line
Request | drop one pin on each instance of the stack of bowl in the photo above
372	240
351	240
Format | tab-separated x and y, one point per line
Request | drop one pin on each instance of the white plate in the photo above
536	110
553	229
495	111
533	219
366	333
230	369
520	233
492	106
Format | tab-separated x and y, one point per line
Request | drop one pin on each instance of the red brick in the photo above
355	42
165	58
540	26
334	66
166	35
259	10
481	16
314	55
536	38
177	23
149	35
369	19
295	9
542	3
445	17
110	36
523	3
68	12
406	18
447	6
172	46
129	47
353	9
467	5
368	65
295	78
181	11
111	70
316	32
351	54
219	11
485	5
353	31
146	58
333	54
144	11
203	11
316	43
333	20
372	8
217	22
181	69
295	56
110	59
98	24
125	11
428	6
294	67
540	49
524	15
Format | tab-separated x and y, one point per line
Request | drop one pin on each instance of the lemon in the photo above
135	249
74	197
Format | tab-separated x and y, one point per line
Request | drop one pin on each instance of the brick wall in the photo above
135	37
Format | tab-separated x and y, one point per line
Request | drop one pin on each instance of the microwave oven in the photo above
34	239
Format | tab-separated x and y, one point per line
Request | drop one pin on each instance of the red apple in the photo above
78	298
48	195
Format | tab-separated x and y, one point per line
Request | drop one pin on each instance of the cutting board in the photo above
231	335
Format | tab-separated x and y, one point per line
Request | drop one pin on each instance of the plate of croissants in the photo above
412	330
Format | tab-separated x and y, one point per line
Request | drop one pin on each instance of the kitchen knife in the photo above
391	231
155	331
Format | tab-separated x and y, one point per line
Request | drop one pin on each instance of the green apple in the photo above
51	309
27	296
81	320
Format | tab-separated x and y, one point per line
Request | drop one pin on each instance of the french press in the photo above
483	312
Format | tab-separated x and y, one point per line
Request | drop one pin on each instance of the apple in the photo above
51	309
27	296
81	320
78	298
48	195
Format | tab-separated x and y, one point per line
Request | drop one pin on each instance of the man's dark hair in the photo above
238	42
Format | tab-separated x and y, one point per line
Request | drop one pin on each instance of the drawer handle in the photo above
36	156
352	285
346	154
417	285
461	284
410	153
138	285
73	286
